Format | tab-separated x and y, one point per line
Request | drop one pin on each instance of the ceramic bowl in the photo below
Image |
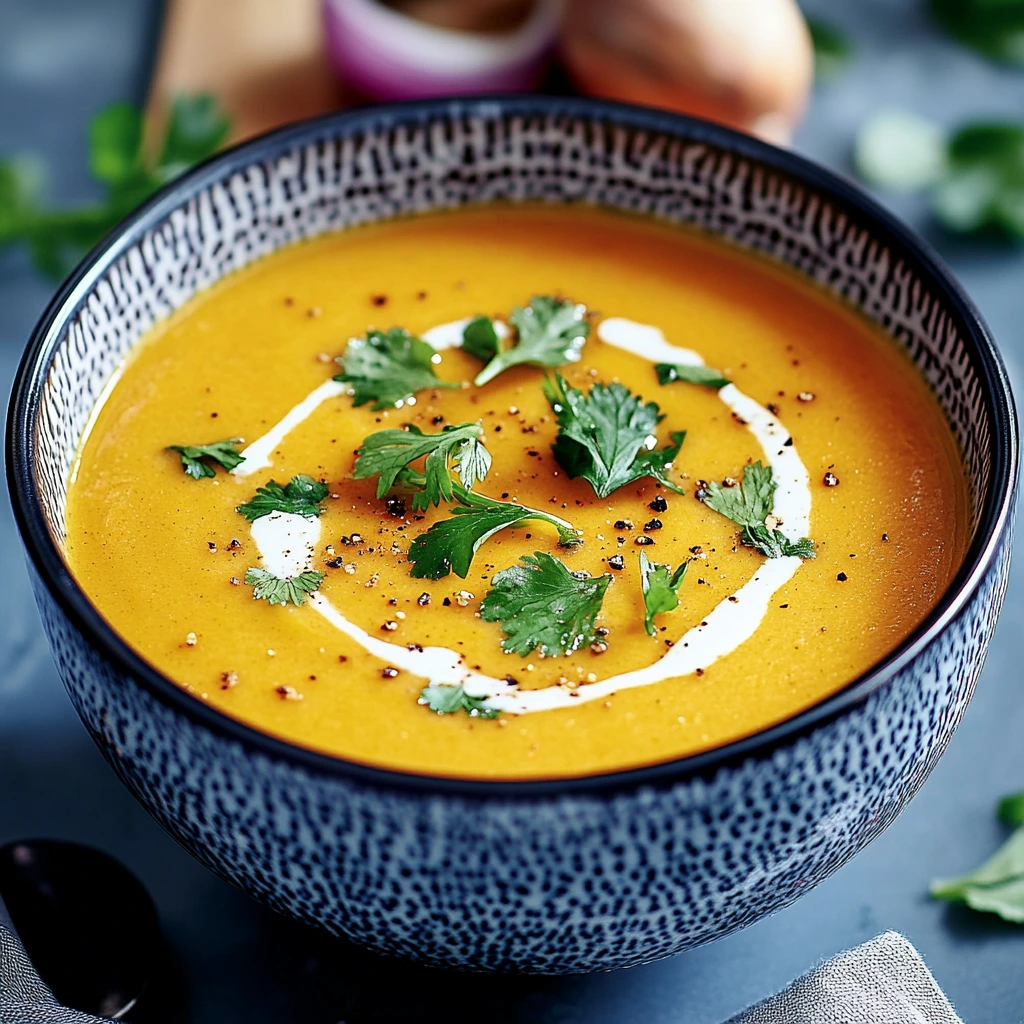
551	876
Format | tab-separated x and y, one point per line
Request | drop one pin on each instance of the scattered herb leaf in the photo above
550	332
449	700
660	588
1011	810
268	587
994	28
541	604
388	368
480	338
997	886
386	453
301	496
832	49
607	437
668	373
55	238
748	506
194	457
450	544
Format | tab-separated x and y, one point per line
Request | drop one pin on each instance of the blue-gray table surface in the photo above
60	60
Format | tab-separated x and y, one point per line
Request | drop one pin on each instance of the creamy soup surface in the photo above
864	465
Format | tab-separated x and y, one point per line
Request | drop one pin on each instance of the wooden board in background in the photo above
262	59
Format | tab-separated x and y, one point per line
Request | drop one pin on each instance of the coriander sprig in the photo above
660	586
196	458
540	603
275	590
749	506
549	332
388	368
669	373
449	700
607	437
301	496
387	454
450	544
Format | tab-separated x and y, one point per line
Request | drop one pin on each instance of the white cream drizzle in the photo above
287	545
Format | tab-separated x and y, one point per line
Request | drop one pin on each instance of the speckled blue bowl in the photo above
551	876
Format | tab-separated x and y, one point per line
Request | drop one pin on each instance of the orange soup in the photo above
488	549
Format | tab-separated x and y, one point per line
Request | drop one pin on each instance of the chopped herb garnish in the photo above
128	170
749	506
996	887
450	544
669	373
268	587
194	457
449	700
388	368
301	497
541	604
480	338
388	453
550	332
607	437
660	588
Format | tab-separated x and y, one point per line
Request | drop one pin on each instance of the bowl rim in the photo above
46	559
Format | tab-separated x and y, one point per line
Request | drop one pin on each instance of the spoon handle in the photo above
24	996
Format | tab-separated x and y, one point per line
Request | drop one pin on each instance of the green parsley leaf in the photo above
301	496
541	604
996	887
388	368
832	49
449	700
480	339
117	159
660	588
268	587
387	453
551	332
1011	809
994	28
668	373
193	457
607	437
748	506
450	544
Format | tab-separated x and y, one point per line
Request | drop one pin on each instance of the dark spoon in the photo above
87	923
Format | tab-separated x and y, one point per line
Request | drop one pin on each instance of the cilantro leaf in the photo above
449	700
660	587
388	368
118	161
480	339
1010	809
301	496
832	49
450	544
268	587
668	373
607	437
387	453
193	457
996	887
551	332
541	604
748	506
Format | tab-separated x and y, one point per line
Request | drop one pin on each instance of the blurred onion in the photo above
744	63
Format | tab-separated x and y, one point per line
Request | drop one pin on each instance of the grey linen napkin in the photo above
884	981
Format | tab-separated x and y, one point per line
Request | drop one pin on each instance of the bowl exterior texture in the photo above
545	878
